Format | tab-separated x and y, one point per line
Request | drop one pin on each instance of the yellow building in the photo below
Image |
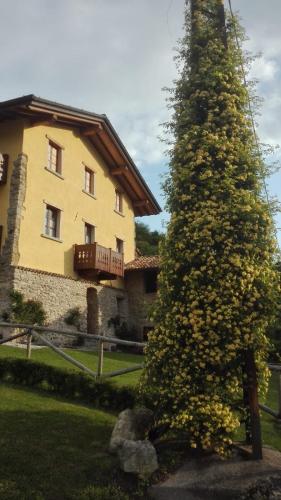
69	192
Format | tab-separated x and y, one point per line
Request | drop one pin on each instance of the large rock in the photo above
123	429
131	425
136	454
138	457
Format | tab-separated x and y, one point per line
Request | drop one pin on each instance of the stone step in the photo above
215	478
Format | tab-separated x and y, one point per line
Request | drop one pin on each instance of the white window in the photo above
54	157
119	245
52	222
89	232
89	182
118	202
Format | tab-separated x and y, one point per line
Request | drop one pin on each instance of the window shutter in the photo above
4	169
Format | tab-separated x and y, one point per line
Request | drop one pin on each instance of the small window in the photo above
54	157
150	281
119	245
89	183
89	232
118	202
52	222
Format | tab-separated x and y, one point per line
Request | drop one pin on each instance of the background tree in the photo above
147	241
217	285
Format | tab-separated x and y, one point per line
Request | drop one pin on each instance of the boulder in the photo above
123	429
138	457
128	440
131	425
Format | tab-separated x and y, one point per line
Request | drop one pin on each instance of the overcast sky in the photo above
115	56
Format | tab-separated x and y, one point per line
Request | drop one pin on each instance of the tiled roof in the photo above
152	262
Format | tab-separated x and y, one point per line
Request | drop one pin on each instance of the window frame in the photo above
52	145
92	181
150	281
92	235
119	201
48	230
118	240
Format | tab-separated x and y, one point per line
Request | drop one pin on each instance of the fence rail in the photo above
37	331
266	409
30	330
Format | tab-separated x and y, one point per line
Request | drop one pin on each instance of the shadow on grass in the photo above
49	453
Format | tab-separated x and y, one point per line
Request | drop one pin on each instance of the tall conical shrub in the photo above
217	284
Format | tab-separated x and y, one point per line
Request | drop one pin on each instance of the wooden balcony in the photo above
93	261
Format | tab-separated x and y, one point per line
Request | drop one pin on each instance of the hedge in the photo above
72	385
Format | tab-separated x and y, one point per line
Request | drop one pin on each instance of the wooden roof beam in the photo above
119	170
140	203
93	130
43	120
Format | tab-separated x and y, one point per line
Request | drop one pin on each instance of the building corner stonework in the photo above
10	253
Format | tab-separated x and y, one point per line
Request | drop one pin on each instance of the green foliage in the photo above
73	317
274	330
217	286
30	312
123	332
147	241
102	493
66	383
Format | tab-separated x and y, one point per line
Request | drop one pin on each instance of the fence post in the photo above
279	395
246	409
252	390
100	358
29	343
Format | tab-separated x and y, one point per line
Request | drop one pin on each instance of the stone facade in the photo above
59	294
139	303
10	253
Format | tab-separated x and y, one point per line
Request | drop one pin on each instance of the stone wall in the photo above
59	294
139	302
10	252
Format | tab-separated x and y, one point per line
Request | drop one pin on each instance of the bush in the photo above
71	385
30	312
73	317
102	493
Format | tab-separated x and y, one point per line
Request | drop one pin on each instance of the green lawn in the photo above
112	361
51	449
271	427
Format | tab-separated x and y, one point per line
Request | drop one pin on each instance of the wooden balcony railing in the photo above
94	258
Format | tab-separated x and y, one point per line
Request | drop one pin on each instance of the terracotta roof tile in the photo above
144	262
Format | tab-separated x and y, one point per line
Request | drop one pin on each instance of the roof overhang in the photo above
101	133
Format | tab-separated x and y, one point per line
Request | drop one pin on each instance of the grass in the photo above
271	427
51	449
112	361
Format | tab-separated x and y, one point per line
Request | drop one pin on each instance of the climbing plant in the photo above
217	285
24	311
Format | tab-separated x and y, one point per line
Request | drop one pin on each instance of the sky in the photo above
115	57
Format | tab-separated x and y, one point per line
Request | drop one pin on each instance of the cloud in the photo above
114	57
265	70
